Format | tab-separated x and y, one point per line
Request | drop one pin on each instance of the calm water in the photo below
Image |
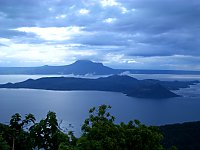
72	106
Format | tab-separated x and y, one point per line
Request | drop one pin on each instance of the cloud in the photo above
53	33
110	20
37	54
105	3
132	33
84	11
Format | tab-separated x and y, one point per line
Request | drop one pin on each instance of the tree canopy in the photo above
99	132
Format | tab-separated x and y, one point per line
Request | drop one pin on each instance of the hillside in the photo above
154	89
185	136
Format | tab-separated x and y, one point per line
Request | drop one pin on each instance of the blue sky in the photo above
142	34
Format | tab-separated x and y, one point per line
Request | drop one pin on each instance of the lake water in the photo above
72	106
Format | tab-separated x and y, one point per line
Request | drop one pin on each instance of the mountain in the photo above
82	67
154	89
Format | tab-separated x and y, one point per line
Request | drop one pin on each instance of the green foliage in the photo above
20	139
173	148
3	144
46	133
100	132
185	136
17	124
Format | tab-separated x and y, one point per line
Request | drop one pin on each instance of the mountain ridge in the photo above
115	83
82	67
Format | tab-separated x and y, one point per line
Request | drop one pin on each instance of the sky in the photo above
137	34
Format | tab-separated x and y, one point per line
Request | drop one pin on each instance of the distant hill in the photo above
82	67
154	89
185	136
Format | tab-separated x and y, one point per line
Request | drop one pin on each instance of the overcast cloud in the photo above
146	34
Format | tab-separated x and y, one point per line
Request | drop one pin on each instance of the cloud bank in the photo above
145	34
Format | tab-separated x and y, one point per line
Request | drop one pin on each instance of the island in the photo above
153	89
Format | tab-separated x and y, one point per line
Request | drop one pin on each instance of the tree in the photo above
46	133
100	132
16	127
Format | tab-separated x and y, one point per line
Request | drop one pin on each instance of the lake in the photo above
72	106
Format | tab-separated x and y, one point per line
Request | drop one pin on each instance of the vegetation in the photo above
46	134
99	132
184	136
3	144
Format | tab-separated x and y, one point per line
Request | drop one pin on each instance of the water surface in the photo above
72	106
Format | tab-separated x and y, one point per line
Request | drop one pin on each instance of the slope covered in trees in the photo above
185	136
